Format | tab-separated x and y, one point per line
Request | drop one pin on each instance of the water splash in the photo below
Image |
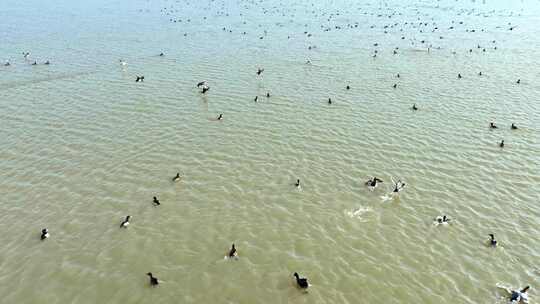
358	213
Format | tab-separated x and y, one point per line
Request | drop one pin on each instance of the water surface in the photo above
83	145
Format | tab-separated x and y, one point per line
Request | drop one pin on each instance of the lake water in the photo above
83	145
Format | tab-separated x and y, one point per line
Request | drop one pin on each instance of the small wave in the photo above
63	76
506	291
504	287
435	223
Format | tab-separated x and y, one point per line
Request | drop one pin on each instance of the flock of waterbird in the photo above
372	183
330	21
301	282
27	60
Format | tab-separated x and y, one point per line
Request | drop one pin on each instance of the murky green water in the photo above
83	145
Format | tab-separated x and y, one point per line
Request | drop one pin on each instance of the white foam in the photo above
358	213
436	223
388	197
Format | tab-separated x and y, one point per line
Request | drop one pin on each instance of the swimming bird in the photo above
372	182
518	81
161	54
442	219
268	94
153	280
139	79
329	100
205	89
200	84
348	87
414	107
256	98
156	202
513	127
7	63
492	125
459	76
520	296
399	185
232	252
26	55
395	85
125	223
259	71
122	62
176	178
47	62
492	241
44	233
480	73
398	76
502	144
301	282
297	184
34	63
220	117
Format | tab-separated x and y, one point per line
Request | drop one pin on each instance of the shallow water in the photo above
83	146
